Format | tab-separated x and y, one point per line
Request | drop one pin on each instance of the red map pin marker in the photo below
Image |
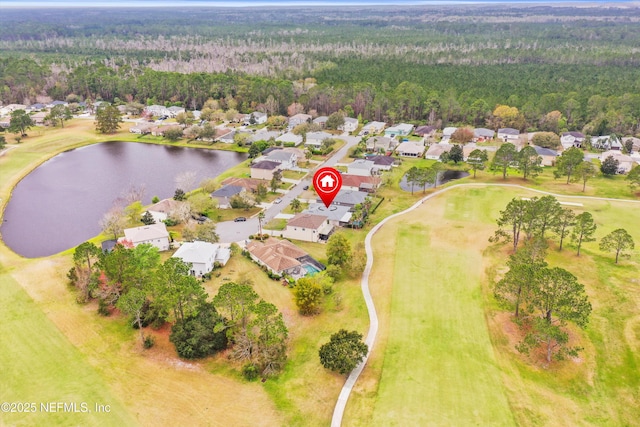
327	182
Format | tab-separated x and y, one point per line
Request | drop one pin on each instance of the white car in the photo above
277	201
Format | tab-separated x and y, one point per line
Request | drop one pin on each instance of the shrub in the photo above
250	372
149	341
103	308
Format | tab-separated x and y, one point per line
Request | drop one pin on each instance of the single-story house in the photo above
160	130
174	111
381	144
410	149
299	119
37	107
154	234
606	143
383	163
446	134
350	125
257	117
360	183
290	137
402	129
55	103
8	109
508	134
202	256
435	150
468	149
157	110
336	215
572	139
224	194
348	198
38	118
372	128
227	137
483	134
362	167
425	131
287	160
264	135
321	120
264	169
314	139
625	163
283	257
5	122
249	184
548	155
142	128
308	228
164	208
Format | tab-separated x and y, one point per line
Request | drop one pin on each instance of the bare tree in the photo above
186	180
114	221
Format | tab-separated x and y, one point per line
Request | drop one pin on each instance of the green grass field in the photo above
444	345
40	365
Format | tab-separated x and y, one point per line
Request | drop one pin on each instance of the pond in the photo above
446	176
59	204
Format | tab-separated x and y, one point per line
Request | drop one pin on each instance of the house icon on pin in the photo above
327	181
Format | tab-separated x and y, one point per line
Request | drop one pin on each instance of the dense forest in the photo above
436	64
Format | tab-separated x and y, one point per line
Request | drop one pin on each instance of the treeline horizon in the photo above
436	65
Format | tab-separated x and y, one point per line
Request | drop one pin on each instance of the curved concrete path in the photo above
341	404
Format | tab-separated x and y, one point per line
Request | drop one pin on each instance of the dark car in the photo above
240	219
306	187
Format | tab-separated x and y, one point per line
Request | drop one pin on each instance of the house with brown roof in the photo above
308	227
410	149
360	183
283	257
249	184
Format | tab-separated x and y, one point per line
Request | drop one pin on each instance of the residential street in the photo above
230	231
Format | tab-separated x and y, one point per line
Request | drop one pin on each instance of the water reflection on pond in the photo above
59	204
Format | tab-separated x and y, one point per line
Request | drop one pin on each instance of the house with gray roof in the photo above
290	138
350	125
224	194
321	120
482	134
548	155
348	198
299	119
572	139
508	134
362	167
264	169
381	144
286	159
336	215
384	163
372	128
410	149
314	139
402	129
154	234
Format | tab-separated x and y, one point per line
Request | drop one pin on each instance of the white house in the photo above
202	256
625	163
380	144
361	167
572	139
299	119
508	134
410	149
350	125
174	111
154	234
314	139
321	121
308	227
257	117
157	110
436	150
403	129
286	159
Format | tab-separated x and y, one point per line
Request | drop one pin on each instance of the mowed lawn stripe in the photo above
39	365
439	367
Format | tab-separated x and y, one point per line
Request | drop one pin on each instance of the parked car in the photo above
306	187
277	201
240	219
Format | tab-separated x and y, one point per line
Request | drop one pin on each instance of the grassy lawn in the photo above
40	365
445	353
289	174
278	224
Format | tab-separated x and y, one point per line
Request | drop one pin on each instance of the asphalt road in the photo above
230	231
